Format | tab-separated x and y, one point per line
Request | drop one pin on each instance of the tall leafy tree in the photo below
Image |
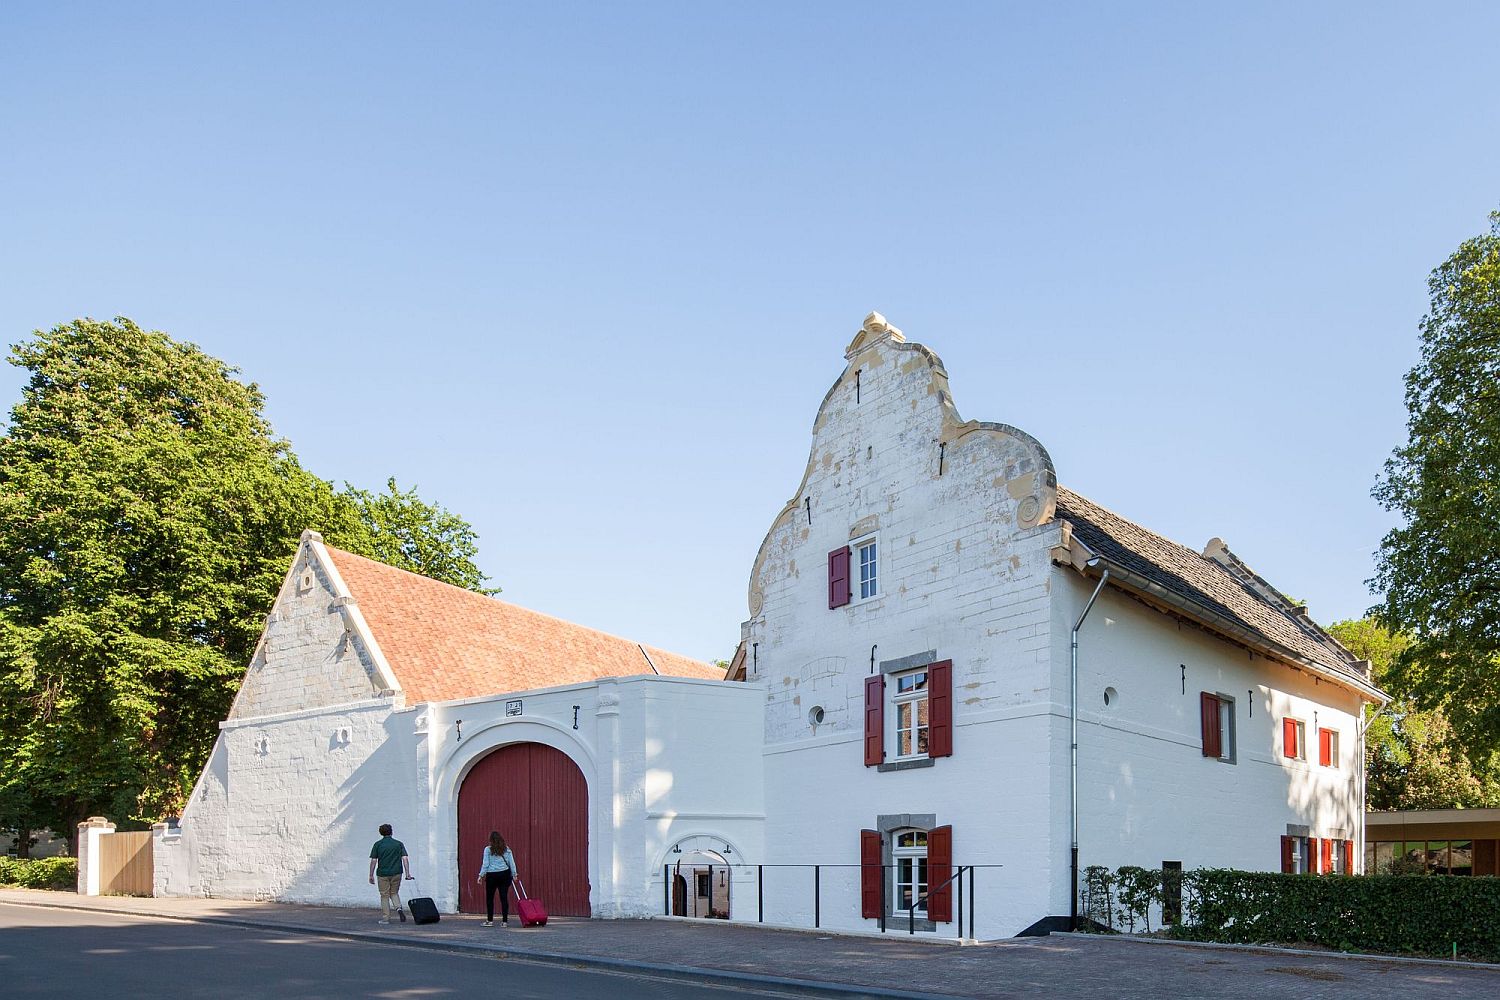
147	514
1440	569
1413	759
401	529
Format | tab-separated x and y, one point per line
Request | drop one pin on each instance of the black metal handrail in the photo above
760	903
958	876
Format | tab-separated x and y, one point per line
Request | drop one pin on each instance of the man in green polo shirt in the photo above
388	862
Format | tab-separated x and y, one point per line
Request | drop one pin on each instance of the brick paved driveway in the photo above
1084	969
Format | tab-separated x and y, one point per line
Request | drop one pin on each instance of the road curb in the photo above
1267	949
684	973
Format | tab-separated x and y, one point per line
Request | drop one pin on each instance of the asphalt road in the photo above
63	953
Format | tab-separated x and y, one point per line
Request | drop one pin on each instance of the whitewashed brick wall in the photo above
964	571
306	656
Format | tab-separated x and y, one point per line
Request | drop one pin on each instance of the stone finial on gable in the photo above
875	329
310	535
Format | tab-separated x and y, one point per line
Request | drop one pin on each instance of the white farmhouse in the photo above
935	626
914	610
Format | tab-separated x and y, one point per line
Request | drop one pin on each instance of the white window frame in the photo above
857	580
915	698
1304	856
1301	753
1333	748
915	855
1226	727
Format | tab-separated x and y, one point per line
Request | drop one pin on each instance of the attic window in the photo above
306	580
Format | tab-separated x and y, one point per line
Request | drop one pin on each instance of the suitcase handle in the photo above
520	889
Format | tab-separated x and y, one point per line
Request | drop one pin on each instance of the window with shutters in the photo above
909	716
1218	726
867	550
1328	747
909	701
909	870
1299	855
1294	739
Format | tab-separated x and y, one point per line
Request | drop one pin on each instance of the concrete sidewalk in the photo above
808	962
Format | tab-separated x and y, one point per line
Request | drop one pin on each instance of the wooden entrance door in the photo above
539	801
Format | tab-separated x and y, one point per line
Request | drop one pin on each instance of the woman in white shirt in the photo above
496	872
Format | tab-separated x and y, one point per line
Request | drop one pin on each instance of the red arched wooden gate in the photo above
539	801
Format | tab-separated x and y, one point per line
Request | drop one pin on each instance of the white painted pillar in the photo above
605	805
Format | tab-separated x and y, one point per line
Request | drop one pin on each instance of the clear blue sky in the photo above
583	273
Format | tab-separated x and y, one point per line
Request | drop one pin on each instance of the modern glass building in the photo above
1433	841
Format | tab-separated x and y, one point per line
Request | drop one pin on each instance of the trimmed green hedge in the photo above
1396	914
43	873
1416	914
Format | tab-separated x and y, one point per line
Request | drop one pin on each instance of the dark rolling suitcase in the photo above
423	910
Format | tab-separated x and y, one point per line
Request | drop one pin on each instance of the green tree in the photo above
1438	570
1413	759
399	528
147	515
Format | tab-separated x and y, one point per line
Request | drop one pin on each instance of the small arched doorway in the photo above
701	880
539	801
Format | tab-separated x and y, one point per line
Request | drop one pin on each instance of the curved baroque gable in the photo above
895	392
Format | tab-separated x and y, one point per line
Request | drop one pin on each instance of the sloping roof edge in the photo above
1090	564
353	617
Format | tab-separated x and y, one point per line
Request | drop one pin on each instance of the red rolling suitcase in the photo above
531	911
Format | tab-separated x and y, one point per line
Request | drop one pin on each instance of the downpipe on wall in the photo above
1073	725
1364	768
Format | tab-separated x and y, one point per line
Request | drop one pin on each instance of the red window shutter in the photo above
838	578
940	870
871	874
874	719
1348	857
1288	854
1289	737
1325	747
1208	705
940	709
1325	859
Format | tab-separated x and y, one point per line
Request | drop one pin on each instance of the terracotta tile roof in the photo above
1232	590
444	642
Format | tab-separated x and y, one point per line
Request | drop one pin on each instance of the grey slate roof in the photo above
1178	569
